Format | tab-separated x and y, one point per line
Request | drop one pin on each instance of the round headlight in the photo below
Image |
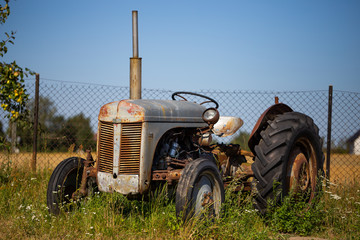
210	116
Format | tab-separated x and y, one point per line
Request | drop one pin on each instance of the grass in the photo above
24	215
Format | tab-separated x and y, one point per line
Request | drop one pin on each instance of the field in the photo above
344	168
24	214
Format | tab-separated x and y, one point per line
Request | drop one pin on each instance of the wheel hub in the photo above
207	199
300	173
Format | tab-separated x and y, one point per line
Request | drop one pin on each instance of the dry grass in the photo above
44	160
344	168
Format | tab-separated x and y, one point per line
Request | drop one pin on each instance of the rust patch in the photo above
227	126
123	184
129	112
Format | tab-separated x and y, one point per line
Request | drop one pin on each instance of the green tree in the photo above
242	139
56	132
50	126
13	96
78	131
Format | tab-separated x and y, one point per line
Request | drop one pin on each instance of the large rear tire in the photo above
64	181
200	190
288	158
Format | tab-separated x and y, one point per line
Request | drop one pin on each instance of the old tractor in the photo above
143	143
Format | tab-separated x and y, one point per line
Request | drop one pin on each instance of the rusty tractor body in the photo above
143	143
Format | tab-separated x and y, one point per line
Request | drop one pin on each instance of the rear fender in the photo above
262	122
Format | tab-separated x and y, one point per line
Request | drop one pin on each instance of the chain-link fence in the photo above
68	120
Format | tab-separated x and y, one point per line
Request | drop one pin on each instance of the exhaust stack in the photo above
135	61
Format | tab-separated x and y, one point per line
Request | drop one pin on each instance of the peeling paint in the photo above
124	184
227	126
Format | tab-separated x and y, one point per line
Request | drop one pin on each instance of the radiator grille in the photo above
106	147
130	148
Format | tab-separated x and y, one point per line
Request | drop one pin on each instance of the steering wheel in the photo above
180	95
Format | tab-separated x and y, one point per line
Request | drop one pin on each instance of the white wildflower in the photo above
334	196
32	218
28	207
333	184
91	227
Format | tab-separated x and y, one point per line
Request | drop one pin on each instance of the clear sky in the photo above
190	45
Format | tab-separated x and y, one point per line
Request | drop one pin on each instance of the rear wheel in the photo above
288	158
200	190
64	181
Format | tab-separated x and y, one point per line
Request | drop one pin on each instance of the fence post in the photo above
13	136
36	121
328	147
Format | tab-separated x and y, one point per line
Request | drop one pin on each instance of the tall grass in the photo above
24	215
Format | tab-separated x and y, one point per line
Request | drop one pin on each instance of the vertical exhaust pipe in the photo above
135	61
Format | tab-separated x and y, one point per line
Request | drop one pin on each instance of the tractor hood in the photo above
151	111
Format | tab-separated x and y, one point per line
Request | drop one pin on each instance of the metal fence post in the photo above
36	121
328	147
13	136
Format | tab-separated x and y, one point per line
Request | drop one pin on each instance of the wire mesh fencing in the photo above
68	121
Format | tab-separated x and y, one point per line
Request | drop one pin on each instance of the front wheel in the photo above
64	181
200	189
288	158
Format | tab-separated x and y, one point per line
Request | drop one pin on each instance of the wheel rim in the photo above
207	195
302	168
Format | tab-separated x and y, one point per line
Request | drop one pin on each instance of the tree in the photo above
242	139
13	96
56	132
47	114
78	131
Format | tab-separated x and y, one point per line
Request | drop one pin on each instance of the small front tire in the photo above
64	181
200	189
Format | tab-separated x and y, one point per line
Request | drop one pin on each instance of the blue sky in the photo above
190	45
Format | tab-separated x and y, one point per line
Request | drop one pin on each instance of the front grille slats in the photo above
130	147
106	147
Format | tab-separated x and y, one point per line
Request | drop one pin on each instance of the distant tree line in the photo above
56	133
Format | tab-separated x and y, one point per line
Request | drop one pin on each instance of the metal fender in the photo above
261	123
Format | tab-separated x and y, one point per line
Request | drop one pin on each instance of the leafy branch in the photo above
13	95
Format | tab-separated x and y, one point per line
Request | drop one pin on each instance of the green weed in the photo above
24	215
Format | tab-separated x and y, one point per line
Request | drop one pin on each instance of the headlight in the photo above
210	116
